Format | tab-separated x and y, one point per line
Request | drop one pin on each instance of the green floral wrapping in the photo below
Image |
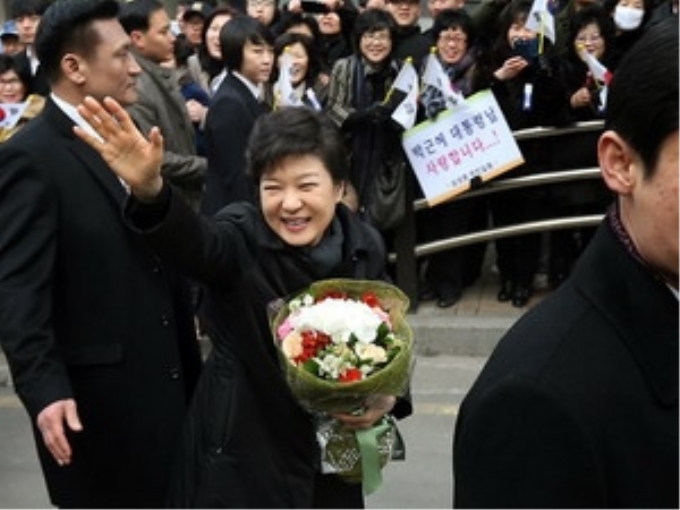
357	457
319	395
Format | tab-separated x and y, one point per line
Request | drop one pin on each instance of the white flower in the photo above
371	351
332	365
339	318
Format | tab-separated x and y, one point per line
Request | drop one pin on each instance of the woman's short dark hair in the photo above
209	63
314	60
295	131
372	20
454	19
592	14
291	19
10	63
66	26
644	92
516	11
234	35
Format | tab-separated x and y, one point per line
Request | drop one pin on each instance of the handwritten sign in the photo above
469	141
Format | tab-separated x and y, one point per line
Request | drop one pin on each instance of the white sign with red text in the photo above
467	142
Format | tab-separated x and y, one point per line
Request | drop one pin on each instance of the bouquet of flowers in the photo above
341	343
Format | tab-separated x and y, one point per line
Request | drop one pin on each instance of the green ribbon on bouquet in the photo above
371	472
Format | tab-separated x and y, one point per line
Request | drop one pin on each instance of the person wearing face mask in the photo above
629	17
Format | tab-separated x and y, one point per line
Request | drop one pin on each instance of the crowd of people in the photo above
232	198
202	85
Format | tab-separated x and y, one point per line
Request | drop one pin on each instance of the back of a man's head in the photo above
642	104
66	27
136	15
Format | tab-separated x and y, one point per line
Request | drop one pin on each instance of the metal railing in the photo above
406	251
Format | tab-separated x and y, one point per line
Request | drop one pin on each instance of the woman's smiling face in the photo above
298	199
376	46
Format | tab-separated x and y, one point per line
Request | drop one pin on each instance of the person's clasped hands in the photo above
375	407
376	113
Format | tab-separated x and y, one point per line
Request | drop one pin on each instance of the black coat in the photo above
248	443
231	117
578	405
87	311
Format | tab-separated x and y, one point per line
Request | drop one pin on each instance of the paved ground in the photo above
473	326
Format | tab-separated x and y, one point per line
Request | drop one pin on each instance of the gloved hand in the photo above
354	118
378	113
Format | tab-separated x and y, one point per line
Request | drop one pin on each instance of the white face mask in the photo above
627	18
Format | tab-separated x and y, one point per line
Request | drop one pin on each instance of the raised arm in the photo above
136	160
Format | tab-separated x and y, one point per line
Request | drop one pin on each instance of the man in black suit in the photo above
578	405
97	331
26	14
247	52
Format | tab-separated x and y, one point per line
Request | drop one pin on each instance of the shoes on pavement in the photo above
521	295
506	291
448	294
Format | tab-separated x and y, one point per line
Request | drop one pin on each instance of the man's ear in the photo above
74	68
617	162
137	39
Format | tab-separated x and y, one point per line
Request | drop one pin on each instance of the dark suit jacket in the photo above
231	116
39	83
578	405
87	311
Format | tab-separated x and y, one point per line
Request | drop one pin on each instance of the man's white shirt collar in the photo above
254	89
72	112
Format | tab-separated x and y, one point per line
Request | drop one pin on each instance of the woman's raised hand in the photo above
134	158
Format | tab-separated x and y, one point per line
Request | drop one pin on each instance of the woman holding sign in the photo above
447	273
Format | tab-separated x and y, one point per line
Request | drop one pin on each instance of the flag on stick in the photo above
541	21
10	114
406	81
600	73
434	76
284	94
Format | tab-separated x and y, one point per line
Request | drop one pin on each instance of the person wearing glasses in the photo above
356	102
15	83
448	273
591	31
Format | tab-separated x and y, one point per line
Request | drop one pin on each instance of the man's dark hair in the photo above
234	35
19	8
642	104
136	15
66	26
295	131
